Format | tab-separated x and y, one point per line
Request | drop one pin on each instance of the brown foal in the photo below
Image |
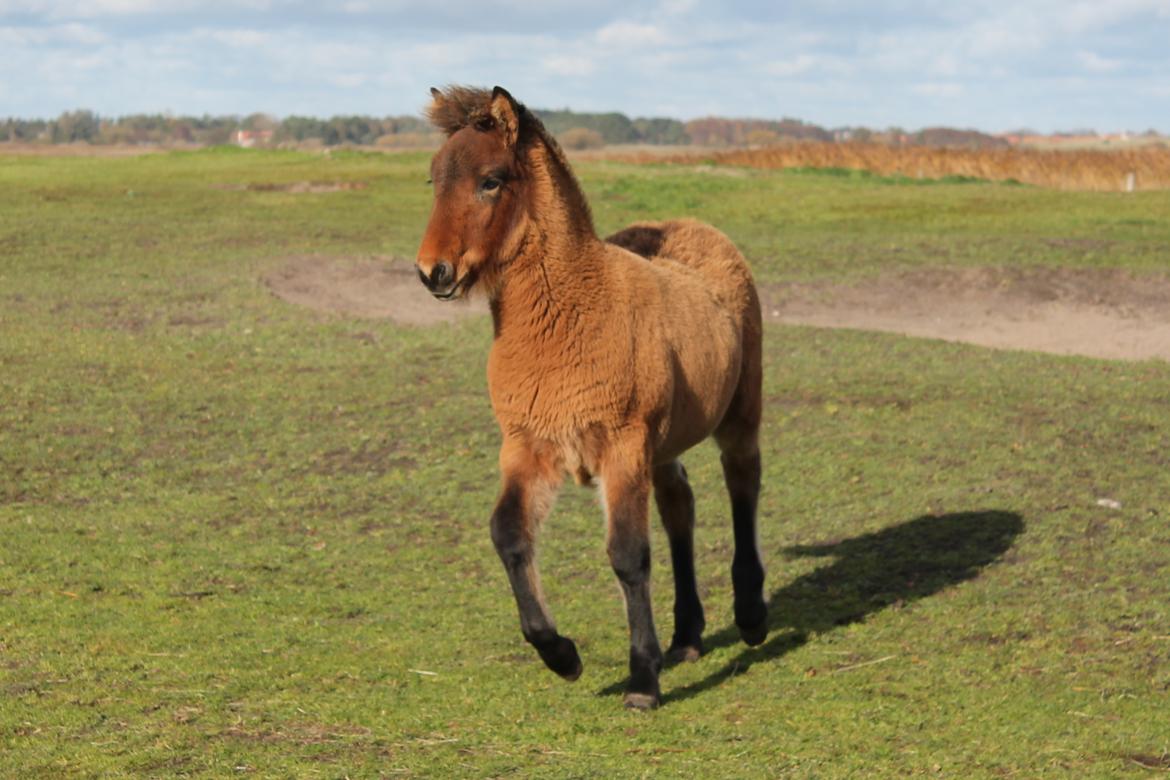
610	359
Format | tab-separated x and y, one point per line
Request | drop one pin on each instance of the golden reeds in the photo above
1138	168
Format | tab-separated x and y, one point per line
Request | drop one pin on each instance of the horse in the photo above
610	358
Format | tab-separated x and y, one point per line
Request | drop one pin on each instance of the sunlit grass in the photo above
242	538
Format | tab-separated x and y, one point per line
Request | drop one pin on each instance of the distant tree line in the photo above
161	129
615	128
575	129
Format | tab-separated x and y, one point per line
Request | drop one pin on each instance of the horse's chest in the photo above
554	395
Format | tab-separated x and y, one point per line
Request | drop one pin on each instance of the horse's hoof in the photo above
641	701
754	635
562	657
574	673
678	654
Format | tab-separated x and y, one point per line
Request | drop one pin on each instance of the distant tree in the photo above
406	124
259	122
659	130
799	131
761	137
25	130
73	126
716	131
615	128
709	131
581	138
963	139
300	128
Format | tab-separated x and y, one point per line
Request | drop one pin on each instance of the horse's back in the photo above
706	252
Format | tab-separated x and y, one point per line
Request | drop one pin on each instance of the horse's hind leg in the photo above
676	507
738	440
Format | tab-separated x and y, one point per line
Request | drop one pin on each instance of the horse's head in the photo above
475	220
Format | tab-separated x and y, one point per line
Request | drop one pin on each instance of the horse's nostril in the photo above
423	277
442	274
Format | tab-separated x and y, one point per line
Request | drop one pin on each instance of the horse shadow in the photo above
874	571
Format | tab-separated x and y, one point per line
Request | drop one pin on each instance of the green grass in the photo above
238	538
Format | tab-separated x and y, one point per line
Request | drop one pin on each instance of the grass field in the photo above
238	538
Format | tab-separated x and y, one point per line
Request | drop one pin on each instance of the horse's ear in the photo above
506	112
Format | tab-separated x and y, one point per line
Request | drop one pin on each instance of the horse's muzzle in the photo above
440	281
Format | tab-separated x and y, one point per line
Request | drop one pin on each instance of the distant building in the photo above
250	138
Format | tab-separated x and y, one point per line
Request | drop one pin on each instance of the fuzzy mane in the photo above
456	106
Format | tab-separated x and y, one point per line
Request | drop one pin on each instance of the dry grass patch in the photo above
1082	169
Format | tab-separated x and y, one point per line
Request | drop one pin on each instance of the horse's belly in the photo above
704	383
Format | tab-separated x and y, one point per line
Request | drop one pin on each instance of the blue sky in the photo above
988	64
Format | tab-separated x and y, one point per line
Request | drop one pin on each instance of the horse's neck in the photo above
560	265
545	292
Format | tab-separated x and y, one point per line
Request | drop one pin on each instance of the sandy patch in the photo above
296	187
1094	312
82	149
366	287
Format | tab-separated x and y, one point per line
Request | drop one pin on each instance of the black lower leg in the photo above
747	572
514	546
631	563
676	506
687	640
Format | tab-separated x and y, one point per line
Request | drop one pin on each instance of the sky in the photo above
992	65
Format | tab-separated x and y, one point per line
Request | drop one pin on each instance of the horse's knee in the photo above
741	469
630	558
509	535
676	507
672	491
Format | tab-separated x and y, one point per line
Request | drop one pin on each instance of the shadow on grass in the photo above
893	566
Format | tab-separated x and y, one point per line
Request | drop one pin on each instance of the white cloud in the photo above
938	89
1084	16
1095	63
349	80
55	35
676	7
245	39
631	35
802	63
569	65
92	9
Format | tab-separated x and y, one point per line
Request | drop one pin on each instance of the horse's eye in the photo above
490	184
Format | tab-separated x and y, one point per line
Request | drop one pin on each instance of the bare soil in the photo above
296	187
1094	312
82	149
370	287
1103	313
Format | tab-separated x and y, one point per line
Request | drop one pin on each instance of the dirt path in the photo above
366	287
1093	312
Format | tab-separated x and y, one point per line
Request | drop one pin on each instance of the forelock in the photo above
456	107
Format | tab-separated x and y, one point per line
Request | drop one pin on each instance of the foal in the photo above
611	358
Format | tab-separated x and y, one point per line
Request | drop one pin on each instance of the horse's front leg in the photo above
627	503
529	487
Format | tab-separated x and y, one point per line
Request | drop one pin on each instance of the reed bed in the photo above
1138	168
